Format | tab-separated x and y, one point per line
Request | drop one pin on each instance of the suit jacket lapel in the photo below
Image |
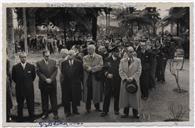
126	68
26	67
20	65
91	60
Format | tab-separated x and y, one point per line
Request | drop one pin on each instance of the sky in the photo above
163	10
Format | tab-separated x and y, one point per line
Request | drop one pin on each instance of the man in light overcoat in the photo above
129	70
93	88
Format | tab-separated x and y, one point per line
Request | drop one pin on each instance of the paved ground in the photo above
154	109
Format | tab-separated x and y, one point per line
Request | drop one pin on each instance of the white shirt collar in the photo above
46	61
130	59
71	61
92	55
113	57
23	65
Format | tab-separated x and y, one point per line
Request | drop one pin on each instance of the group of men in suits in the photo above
91	78
153	56
24	74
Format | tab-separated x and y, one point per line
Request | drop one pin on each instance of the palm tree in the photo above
144	19
151	14
179	16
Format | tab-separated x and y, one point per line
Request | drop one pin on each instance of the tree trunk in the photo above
31	21
154	29
162	31
132	29
94	27
25	30
64	25
171	28
10	34
106	23
178	28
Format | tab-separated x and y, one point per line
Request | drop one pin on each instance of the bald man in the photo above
23	74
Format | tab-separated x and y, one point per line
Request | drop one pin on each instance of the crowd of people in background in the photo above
92	72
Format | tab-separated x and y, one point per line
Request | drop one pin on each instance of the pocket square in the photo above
29	72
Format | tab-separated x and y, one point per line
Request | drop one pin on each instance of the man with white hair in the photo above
23	74
92	64
129	71
64	55
72	71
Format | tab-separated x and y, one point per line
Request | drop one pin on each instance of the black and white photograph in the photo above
76	64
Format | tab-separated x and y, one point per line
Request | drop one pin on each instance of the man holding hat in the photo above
129	71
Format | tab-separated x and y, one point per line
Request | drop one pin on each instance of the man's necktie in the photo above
70	63
129	62
46	62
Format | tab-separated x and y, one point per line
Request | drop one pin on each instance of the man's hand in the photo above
130	79
48	81
110	76
89	69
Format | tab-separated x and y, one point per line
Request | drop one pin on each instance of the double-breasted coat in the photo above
24	79
126	71
72	78
96	62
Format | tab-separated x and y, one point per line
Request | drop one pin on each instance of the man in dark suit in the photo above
112	82
23	74
72	70
162	58
145	57
47	71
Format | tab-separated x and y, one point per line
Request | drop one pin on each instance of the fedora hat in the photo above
131	87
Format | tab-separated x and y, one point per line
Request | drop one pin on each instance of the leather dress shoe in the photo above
44	117
76	113
68	114
124	116
144	98
136	116
103	114
98	110
116	113
55	117
88	110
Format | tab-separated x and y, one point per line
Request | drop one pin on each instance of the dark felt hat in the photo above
131	87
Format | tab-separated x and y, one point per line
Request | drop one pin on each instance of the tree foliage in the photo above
85	18
179	16
144	19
